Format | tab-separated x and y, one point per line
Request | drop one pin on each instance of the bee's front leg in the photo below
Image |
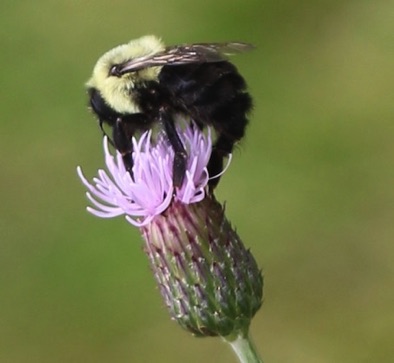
122	139
180	157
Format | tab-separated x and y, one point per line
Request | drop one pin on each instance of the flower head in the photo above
150	190
210	282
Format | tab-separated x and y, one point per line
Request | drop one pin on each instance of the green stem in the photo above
244	349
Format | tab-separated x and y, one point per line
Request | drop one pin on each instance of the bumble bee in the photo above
138	85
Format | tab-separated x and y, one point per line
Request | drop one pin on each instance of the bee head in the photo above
115	85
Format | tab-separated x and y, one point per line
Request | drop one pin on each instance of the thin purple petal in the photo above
150	191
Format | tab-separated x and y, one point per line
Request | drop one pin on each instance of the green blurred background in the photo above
310	189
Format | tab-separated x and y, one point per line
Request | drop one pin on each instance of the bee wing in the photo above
200	53
185	54
223	49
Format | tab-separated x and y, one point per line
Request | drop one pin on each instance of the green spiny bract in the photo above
210	282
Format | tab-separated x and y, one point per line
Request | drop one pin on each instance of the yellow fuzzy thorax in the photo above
117	92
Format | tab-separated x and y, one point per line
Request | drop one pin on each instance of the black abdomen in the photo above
213	94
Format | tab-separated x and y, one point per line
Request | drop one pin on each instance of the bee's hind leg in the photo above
220	150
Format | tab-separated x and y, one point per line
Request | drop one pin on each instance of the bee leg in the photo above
123	143
180	157
222	148
101	123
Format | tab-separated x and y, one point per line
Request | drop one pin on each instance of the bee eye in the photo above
114	71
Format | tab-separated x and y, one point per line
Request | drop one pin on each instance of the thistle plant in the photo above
209	281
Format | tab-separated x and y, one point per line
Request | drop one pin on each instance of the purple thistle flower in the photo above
151	189
210	282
